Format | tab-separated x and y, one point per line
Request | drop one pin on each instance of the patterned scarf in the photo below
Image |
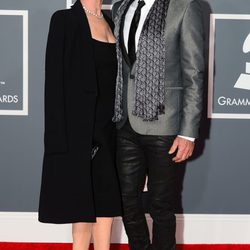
150	64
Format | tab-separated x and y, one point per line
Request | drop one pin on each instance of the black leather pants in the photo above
138	156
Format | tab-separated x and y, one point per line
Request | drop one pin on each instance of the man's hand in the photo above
184	149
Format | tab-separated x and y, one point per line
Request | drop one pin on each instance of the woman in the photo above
79	95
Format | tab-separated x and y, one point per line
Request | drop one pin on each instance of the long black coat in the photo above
70	97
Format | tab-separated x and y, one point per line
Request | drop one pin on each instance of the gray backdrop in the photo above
216	180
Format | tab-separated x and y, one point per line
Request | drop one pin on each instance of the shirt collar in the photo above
148	4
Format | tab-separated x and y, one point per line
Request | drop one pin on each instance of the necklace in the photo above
92	13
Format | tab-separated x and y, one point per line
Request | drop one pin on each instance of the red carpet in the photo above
59	246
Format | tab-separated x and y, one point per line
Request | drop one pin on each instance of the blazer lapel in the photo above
122	43
119	23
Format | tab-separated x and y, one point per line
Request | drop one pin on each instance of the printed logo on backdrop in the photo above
14	62
229	67
69	3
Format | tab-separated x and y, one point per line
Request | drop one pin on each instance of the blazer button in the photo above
132	76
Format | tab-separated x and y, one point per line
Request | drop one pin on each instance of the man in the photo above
158	108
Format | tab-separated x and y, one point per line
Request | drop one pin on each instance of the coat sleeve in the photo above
192	64
55	129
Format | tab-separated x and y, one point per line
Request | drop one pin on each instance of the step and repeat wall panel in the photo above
214	181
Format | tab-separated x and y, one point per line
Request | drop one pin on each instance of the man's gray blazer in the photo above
184	74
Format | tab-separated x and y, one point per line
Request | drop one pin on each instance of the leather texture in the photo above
184	76
138	155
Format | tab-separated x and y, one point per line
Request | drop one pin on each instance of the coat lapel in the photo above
85	44
81	17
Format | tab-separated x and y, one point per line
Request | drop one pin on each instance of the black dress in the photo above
105	181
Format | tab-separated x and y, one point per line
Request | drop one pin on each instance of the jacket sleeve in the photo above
55	128
192	64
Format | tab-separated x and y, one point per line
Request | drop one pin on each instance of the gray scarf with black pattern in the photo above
150	64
